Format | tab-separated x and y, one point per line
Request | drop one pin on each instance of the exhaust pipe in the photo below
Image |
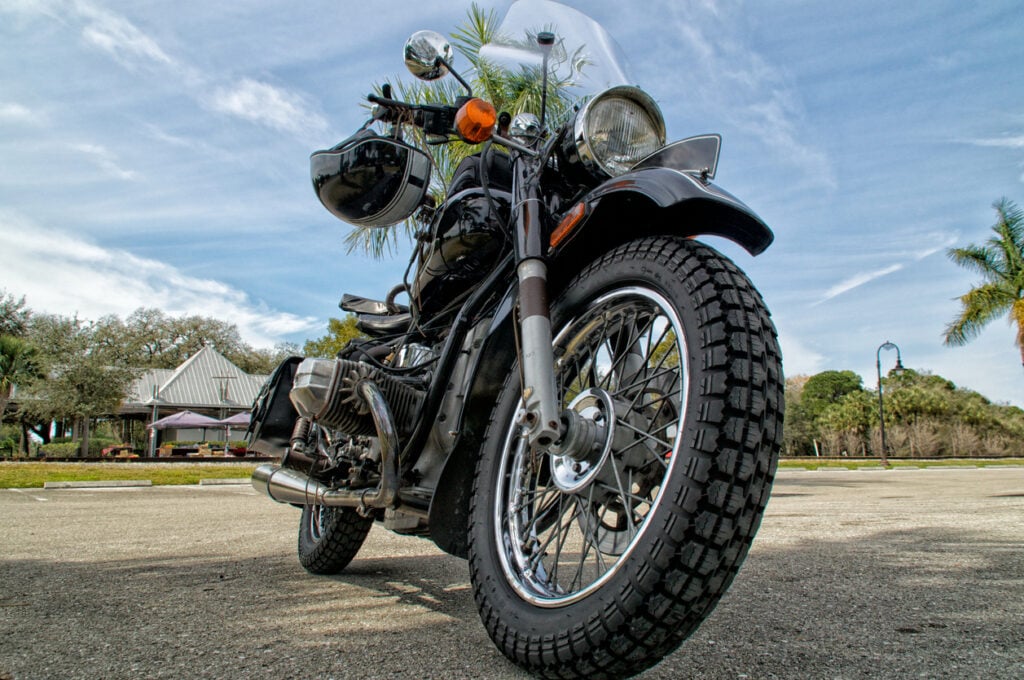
286	485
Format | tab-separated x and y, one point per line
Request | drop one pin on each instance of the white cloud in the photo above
856	281
943	242
798	358
119	37
11	112
268	105
60	273
249	99
1013	142
31	7
105	160
736	83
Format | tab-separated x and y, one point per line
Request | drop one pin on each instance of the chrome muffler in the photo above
286	485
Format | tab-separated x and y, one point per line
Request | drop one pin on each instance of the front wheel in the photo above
598	558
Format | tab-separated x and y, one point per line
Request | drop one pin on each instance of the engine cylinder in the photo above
325	390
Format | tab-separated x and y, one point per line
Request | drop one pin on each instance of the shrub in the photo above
59	449
69	449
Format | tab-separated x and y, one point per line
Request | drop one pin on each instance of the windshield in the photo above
585	59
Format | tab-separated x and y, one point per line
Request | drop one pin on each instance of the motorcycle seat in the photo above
365	306
377	325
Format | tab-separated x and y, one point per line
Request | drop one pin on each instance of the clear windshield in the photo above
584	60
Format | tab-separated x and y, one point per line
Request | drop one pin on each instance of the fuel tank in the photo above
468	237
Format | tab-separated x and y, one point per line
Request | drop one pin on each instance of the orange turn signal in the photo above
475	121
568	223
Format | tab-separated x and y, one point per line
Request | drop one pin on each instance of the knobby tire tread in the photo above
702	535
339	542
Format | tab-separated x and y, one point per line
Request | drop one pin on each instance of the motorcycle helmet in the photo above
369	180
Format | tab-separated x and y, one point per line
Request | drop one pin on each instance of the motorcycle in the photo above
580	397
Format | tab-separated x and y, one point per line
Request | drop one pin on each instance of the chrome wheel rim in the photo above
565	524
319	515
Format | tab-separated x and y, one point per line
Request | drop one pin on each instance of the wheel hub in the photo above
590	429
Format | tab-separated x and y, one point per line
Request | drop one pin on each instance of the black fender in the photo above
449	507
662	201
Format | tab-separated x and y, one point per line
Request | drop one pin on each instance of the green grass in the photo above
32	475
17	475
815	463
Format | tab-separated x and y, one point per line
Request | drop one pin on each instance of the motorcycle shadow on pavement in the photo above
890	604
837	584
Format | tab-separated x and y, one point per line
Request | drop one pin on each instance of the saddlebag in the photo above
273	415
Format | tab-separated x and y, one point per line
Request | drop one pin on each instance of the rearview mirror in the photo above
427	55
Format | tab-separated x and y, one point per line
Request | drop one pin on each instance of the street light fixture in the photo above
898	369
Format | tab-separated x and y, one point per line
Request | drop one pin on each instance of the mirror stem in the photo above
545	39
469	90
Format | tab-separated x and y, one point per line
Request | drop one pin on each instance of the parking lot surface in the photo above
854	574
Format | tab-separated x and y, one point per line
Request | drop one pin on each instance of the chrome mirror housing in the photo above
427	55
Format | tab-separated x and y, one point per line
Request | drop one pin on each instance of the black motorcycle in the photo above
579	397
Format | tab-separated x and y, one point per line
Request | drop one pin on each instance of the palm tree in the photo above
17	363
509	91
1000	261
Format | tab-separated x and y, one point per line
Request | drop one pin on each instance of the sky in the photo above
155	154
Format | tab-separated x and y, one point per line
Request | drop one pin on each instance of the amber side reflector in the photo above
565	227
475	121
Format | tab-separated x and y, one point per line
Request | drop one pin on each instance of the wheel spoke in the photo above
644	433
538	515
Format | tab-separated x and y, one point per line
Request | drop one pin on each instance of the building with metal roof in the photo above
205	383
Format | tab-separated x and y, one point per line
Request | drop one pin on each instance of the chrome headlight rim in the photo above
585	148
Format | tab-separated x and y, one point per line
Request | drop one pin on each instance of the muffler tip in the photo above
261	477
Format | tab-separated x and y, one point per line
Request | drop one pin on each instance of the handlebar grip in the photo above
385	101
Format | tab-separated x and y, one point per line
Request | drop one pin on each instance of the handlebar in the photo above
434	119
390	103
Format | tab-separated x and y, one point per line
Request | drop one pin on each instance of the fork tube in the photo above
539	394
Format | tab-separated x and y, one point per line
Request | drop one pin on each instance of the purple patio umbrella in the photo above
237	420
184	420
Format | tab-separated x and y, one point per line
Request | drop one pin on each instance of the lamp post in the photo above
881	409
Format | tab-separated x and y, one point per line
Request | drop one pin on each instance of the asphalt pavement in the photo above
854	574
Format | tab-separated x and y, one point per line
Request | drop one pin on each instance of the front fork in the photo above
540	397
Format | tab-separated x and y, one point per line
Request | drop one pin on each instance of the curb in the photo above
115	483
230	480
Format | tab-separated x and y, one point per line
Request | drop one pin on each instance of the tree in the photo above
17	365
264	361
14	316
1000	261
79	376
149	338
339	332
827	387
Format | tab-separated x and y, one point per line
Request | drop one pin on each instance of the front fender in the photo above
663	200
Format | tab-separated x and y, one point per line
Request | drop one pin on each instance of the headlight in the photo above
614	131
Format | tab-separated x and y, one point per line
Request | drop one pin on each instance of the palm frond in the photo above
478	30
378	242
1009	236
979	306
984	260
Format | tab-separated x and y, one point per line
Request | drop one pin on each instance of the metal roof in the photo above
204	380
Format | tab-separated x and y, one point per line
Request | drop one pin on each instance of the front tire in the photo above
599	561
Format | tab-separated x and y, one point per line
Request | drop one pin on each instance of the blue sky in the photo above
156	154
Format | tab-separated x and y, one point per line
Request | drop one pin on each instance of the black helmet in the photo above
369	180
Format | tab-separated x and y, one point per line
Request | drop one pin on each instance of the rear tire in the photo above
330	537
599	564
